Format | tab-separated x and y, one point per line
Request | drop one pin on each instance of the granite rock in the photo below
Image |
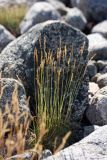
97	47
5	37
91	147
101	28
75	18
93	9
17	59
97	111
39	12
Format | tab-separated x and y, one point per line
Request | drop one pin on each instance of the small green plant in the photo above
11	18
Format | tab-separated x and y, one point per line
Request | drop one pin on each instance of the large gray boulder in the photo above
17	59
101	28
92	9
97	46
5	37
7	87
76	18
97	110
39	12
93	147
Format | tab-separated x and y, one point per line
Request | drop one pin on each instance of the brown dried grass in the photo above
13	133
13	128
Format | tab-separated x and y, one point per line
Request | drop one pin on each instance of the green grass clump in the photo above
11	17
58	80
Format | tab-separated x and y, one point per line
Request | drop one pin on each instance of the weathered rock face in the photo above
76	18
5	37
97	46
17	59
39	12
93	9
92	147
92	68
7	87
101	28
97	111
102	80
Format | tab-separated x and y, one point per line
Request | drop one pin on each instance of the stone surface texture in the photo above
76	18
97	46
7	88
39	12
101	28
93	9
97	111
5	37
93	147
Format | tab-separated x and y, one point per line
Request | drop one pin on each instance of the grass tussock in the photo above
58	79
11	17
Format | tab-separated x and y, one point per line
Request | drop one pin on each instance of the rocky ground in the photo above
55	19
